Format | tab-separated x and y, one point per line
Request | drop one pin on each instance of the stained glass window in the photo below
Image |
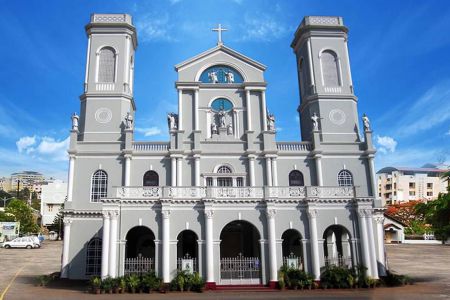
221	104
221	74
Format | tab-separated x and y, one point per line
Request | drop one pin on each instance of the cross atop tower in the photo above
219	30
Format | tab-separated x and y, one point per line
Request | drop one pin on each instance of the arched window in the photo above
345	178
296	178
151	178
330	68
221	74
106	65
224	169
94	257
99	185
303	78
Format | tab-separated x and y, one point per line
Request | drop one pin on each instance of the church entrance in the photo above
292	249
139	251
240	260
187	251
337	246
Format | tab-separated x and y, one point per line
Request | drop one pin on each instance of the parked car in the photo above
21	242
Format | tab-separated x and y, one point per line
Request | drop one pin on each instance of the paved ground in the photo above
429	266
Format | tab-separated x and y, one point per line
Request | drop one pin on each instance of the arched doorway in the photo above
151	178
240	259
139	251
337	246
187	251
292	249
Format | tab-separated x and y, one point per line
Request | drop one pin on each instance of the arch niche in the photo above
337	248
139	251
292	248
187	248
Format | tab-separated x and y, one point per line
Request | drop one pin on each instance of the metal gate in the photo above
240	270
138	265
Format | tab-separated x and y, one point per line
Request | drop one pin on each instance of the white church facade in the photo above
222	197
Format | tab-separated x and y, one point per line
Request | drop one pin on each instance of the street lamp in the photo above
4	201
18	186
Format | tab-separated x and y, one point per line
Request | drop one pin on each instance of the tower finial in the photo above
219	30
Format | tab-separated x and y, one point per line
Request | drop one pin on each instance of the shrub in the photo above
294	278
185	281
336	277
95	284
43	280
198	284
132	282
150	282
392	279
107	284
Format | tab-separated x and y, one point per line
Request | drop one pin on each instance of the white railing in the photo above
187	264
340	261
335	90
105	86
150	146
138	265
293	262
280	192
240	269
294	146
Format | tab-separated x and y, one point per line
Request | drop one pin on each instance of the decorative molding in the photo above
209	213
165	213
271	213
67	221
312	213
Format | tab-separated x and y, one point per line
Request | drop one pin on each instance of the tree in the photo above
4	217
446	177
22	213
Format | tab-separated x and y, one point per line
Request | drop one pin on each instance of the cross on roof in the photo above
219	30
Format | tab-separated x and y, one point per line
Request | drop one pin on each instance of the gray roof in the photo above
409	169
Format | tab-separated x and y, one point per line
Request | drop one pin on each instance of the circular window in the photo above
221	104
337	116
103	115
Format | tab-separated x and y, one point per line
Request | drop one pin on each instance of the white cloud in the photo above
448	132
54	149
154	28
260	27
25	143
151	131
386	144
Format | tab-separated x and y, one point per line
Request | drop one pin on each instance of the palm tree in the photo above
446	177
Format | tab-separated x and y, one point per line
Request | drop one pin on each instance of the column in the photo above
373	255
311	68
364	240
197	170
86	76
173	170
127	170
318	159
209	246
196	110
249	112
373	177
380	243
264	110
273	277
274	171
179	174
180	110
268	171
105	243
305	255
315	262
262	246
251	167
113	245
235	124
165	245
70	179
127	65
65	257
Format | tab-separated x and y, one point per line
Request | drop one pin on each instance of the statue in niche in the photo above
172	120
271	122
229	129
213	77
315	120
129	121
366	122
75	118
222	118
229	76
214	128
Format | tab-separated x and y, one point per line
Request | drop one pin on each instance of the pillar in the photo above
105	243
249	112
165	245
274	171
70	179
127	170
373	178
315	262
268	171
380	243
264	110
180	110
113	245
262	246
179	174
197	170
364	240
65	257
318	159
251	167
196	110
373	255
173	170
210	283
273	271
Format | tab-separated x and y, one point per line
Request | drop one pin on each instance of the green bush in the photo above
392	279
337	277
294	278
150	282
133	282
107	284
185	281
95	283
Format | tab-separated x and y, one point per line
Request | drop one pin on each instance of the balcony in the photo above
150	146
229	193
294	146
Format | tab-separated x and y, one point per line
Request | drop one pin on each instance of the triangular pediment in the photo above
213	51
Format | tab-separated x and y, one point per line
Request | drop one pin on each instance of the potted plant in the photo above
132	283
180	280
95	282
188	281
107	285
198	283
122	285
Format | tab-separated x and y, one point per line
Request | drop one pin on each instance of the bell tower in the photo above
325	81
108	87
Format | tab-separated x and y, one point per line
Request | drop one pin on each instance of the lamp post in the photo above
18	187
4	201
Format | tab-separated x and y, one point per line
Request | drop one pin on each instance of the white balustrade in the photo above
110	86
331	191
286	192
294	146
150	146
235	192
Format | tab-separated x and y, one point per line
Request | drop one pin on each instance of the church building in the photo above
223	196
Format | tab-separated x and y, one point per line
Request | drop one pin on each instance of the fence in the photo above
187	263
293	262
139	265
340	261
240	269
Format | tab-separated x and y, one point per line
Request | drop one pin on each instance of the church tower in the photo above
108	85
325	81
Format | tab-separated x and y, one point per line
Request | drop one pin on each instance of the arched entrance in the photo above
139	251
187	251
240	259
292	249
337	246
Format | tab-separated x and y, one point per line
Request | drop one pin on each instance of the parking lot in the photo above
428	265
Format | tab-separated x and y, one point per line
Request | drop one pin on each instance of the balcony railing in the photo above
294	146
150	146
259	193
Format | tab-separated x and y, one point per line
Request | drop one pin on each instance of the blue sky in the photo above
399	53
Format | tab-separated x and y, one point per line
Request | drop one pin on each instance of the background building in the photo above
25	179
403	184
53	196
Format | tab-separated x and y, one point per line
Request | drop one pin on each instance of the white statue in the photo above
229	129
366	122
129	121
222	119
229	77
172	121
213	77
75	118
315	120
213	128
271	122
